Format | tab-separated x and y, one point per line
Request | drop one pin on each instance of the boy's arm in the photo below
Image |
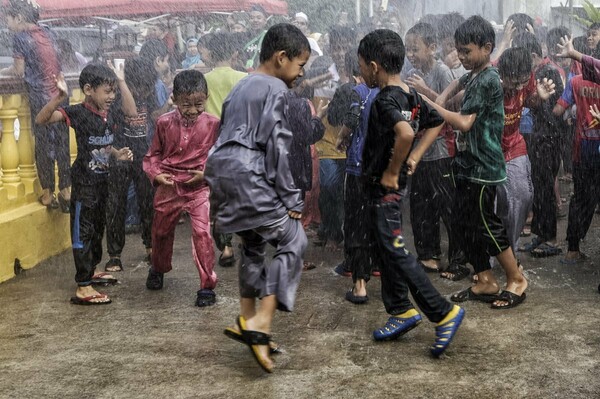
152	160
421	87
567	50
49	113
425	142
451	91
458	121
404	138
128	103
16	69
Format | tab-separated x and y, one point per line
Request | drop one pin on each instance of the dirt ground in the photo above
157	344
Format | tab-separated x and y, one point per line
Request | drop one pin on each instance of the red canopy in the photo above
131	8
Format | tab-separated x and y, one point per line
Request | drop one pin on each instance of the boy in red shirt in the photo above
175	165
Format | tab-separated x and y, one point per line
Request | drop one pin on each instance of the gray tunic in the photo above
248	168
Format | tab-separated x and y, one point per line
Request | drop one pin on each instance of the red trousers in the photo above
169	202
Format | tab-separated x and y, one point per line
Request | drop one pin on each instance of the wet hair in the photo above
475	30
342	36
258	8
528	41
580	44
520	21
95	75
29	10
351	63
425	31
283	37
515	62
140	74
222	46
448	24
188	82
154	48
553	38
385	47
594	26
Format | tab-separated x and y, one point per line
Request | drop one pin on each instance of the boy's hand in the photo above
509	31
295	215
412	165
341	143
61	84
595	112
545	88
418	83
322	108
389	180
120	72
451	60
198	176
164	178
566	47
124	154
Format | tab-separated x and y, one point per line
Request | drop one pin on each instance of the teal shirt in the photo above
479	157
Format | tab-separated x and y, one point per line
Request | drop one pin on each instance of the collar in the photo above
183	121
103	115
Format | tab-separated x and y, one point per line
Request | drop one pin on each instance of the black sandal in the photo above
64	204
458	271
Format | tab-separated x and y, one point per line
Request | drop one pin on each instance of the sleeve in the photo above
567	98
591	68
390	113
152	159
71	113
428	116
162	95
443	79
279	142
352	117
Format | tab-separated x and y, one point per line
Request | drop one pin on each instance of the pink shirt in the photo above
179	146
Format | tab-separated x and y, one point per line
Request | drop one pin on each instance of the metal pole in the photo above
370	8
358	11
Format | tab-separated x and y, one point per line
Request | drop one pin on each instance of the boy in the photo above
396	114
253	190
221	80
479	166
175	165
95	127
140	76
432	190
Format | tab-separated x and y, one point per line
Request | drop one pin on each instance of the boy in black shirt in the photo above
95	127
396	114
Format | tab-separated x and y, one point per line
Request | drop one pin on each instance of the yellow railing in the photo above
29	233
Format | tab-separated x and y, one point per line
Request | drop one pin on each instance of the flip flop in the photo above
356	299
75	300
580	259
512	299
237	336
103	279
227	262
445	332
469	295
545	250
52	205
254	339
64	204
530	246
459	272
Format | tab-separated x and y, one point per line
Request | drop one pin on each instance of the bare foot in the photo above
517	287
485	288
88	291
432	264
47	197
263	350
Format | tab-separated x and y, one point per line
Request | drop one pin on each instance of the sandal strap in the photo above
256	337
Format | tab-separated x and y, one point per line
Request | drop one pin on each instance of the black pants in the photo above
88	215
477	227
331	199
122	173
586	187
399	269
566	145
52	145
431	196
545	162
357	252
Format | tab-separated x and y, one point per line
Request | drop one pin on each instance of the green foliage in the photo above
593	14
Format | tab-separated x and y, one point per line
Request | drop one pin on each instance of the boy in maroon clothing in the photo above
175	164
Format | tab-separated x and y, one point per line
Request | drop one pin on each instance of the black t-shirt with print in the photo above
393	105
94	133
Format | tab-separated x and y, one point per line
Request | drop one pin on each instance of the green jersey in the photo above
479	151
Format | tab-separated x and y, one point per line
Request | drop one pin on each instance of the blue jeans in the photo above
331	199
399	269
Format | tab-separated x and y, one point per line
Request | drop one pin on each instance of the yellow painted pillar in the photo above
9	150
25	145
77	96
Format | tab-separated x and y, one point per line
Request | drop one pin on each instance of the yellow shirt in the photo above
326	146
220	82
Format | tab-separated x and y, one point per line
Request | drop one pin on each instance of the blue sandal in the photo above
396	327
445	332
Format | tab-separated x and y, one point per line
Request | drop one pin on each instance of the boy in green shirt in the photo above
479	167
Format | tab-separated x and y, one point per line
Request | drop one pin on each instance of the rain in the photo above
279	198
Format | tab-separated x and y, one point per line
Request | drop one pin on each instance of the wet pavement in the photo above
158	344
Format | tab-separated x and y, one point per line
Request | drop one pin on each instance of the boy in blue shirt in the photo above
396	114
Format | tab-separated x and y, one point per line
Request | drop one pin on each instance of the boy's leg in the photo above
168	205
44	137
581	208
99	222
119	179
424	214
63	156
399	268
198	209
145	195
545	162
356	222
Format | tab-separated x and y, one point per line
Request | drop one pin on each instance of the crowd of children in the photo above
437	121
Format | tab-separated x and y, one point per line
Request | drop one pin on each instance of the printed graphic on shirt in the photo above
100	157
137	127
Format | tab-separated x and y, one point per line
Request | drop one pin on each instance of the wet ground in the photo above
157	344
